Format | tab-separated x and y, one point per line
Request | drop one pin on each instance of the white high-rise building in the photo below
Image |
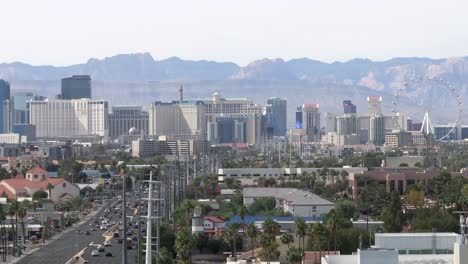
68	118
374	105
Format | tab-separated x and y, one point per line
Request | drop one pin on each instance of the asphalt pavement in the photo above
68	245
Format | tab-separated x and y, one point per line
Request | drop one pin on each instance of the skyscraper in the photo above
349	107
374	105
4	95
278	115
68	118
76	87
347	124
311	117
377	129
299	119
177	120
123	118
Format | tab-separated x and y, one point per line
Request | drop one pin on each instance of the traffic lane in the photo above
64	248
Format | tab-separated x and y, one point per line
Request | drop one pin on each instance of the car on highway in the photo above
108	254
119	241
95	253
107	243
116	235
101	249
87	232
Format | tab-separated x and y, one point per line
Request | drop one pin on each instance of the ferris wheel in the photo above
427	126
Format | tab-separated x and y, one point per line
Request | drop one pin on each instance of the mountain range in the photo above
140	79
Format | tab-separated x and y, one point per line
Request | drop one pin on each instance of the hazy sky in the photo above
62	32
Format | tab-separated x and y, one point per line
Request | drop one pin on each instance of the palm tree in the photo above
3	233
230	236
242	212
13	212
268	241
287	239
315	232
294	255
331	223
300	228
24	206
252	233
49	187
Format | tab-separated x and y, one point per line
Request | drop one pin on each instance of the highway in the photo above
69	244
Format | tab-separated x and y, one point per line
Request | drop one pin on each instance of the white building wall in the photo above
62	118
10	138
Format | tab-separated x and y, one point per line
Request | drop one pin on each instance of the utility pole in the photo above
139	224
148	258
124	221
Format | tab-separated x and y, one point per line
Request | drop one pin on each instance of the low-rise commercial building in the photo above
291	200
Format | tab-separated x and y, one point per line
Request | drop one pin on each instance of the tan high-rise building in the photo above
177	120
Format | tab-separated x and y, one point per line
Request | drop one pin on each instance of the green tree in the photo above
268	240
165	256
49	187
242	212
294	255
39	195
287	239
183	245
252	233
391	214
300	228
23	208
13	213
231	237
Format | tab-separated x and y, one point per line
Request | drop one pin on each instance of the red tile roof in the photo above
21	184
37	170
214	219
7	192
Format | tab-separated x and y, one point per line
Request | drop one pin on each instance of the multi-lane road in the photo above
70	244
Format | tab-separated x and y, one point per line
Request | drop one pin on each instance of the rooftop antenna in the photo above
181	93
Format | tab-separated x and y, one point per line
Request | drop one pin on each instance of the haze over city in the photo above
237	31
234	132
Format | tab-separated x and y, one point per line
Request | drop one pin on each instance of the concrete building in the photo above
10	138
295	201
330	122
65	118
232	120
391	179
76	87
374	104
124	118
20	111
418	243
25	130
311	117
164	146
278	119
279	172
177	120
347	124
336	139
349	107
38	180
4	95
442	130
398	139
377	130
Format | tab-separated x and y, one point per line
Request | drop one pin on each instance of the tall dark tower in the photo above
181	93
